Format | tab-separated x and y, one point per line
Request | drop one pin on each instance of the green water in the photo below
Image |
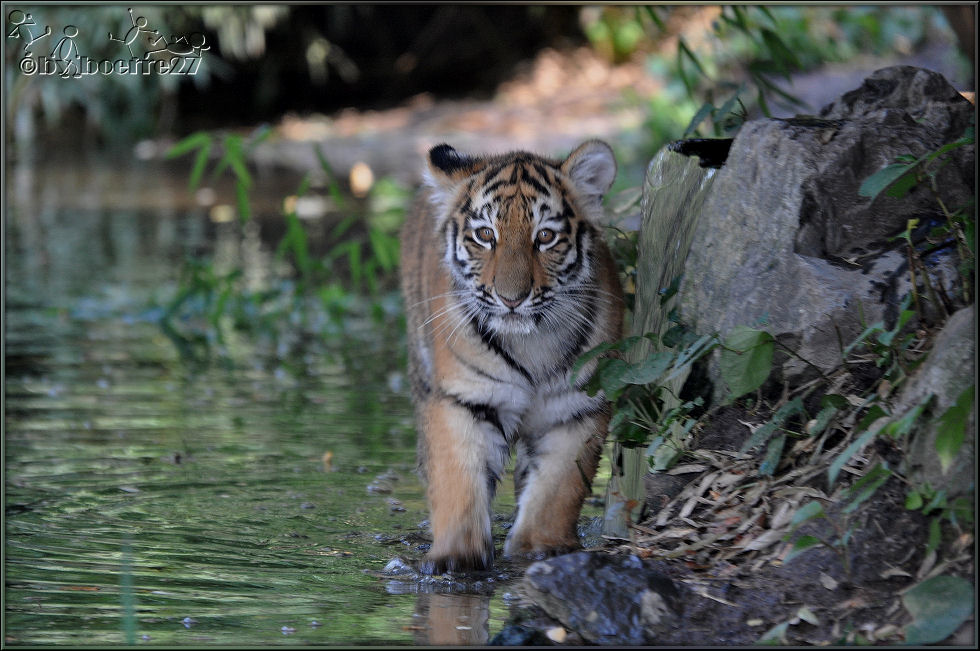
151	500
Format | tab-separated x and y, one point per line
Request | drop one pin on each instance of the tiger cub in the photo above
506	281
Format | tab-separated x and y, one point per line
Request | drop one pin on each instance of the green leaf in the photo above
780	52
746	360
866	486
834	400
802	544
608	377
874	413
235	158
333	186
938	607
904	425
651	12
885	177
773	453
589	355
649	369
952	428
808	511
824	416
244	206
913	500
683	48
690	354
938	501
874	327
200	163
845	456
706	109
385	249
762	434
191	142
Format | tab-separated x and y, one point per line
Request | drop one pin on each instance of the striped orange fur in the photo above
506	281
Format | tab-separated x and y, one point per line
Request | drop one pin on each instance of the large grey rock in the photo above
945	374
784	238
606	599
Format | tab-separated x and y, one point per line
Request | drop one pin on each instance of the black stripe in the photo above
481	412
493	186
463	266
572	267
466	363
536	184
582	414
487	338
540	169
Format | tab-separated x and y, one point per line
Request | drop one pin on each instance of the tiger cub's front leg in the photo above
462	458
552	478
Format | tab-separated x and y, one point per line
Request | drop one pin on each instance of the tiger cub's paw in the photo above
435	563
535	549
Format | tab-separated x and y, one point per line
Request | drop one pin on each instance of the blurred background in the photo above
203	336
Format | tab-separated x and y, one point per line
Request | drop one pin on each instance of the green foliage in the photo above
938	606
332	293
897	179
746	359
843	527
639	390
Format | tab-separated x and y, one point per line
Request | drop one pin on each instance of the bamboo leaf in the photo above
865	487
808	511
802	544
706	109
885	177
200	162
773	453
856	445
191	142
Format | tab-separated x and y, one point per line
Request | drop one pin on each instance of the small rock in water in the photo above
398	567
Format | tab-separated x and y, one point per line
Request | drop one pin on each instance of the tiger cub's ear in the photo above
591	169
445	168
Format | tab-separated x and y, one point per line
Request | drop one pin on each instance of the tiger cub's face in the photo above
519	234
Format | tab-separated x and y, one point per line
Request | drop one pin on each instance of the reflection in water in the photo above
453	619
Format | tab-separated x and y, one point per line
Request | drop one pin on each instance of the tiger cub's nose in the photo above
511	302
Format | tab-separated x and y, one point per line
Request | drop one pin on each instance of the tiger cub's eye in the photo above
484	235
545	236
